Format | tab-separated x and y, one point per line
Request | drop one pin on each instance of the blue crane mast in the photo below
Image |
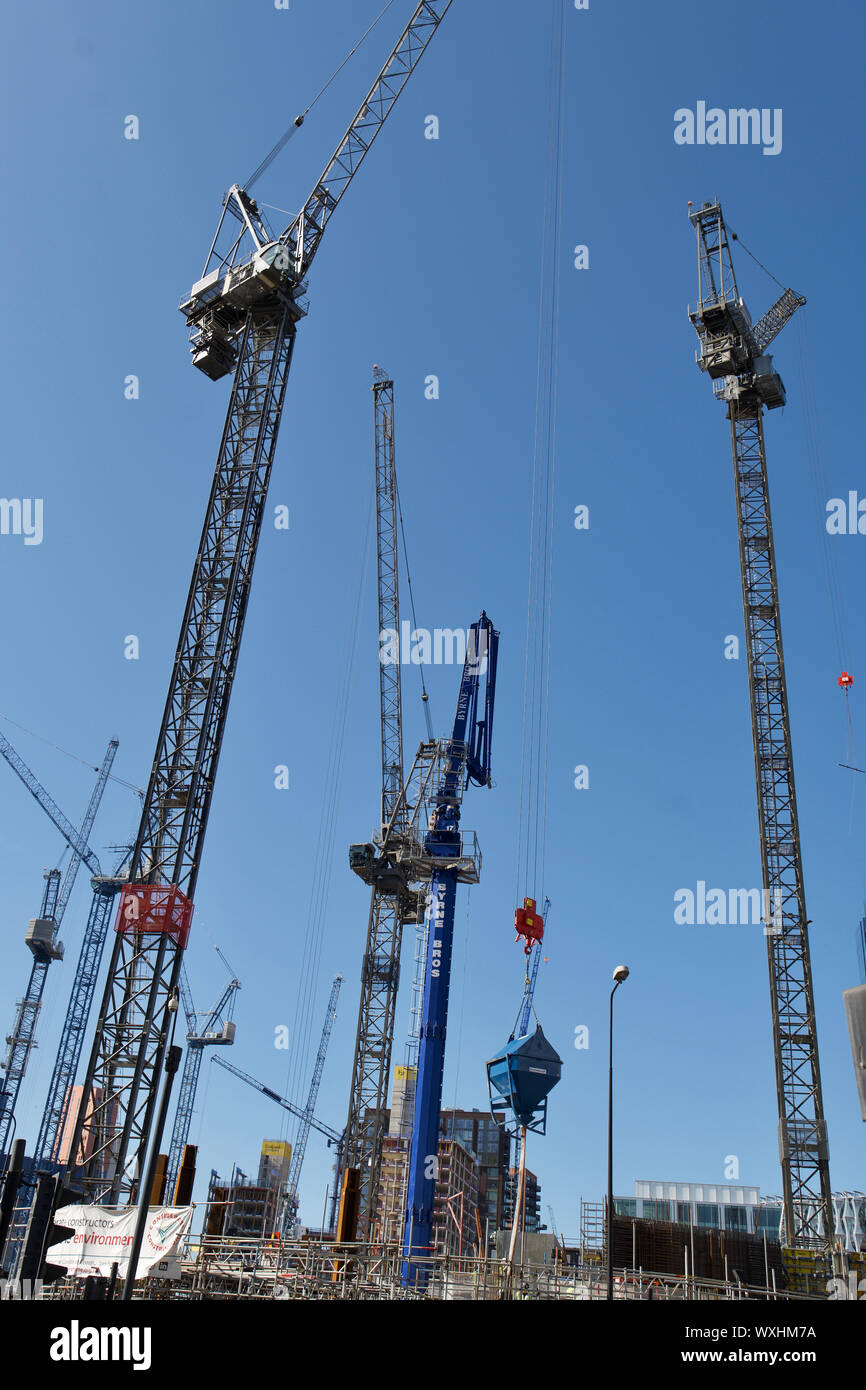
42	935
467	759
243	314
218	1031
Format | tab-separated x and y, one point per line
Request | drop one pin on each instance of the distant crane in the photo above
105	887
42	936
218	1030
467	759
733	353
303	1134
243	314
289	1205
559	1238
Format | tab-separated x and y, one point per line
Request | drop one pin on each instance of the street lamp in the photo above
620	974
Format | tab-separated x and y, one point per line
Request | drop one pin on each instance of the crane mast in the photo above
81	995
155	910
243	314
733	353
105	889
467	759
42	932
388	587
291	1201
22	1040
392	900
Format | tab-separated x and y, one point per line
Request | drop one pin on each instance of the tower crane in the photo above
733	353
394	900
218	1030
289	1205
42	937
467	759
242	314
300	1148
105	889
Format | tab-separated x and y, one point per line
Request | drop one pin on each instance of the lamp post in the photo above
620	974
172	1062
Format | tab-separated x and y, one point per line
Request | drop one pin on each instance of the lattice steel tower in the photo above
243	314
393	900
733	353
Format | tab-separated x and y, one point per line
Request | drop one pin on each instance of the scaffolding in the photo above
215	1268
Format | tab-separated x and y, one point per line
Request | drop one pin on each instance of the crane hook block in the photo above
845	681
528	924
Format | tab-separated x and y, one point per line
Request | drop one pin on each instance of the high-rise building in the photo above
251	1209
473	1160
861	948
402	1102
455	1206
532	1201
486	1138
455	1229
87	1142
274	1163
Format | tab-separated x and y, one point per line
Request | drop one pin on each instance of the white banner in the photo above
103	1236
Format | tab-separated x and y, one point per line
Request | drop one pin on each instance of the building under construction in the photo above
425	1202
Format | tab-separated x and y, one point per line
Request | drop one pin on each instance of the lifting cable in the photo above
745	248
139	791
425	698
833	589
307	1003
299	120
534	775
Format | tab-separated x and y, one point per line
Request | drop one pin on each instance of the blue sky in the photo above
431	265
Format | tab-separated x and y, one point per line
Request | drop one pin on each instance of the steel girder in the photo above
380	976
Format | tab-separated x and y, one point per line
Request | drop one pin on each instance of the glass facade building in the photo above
728	1207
